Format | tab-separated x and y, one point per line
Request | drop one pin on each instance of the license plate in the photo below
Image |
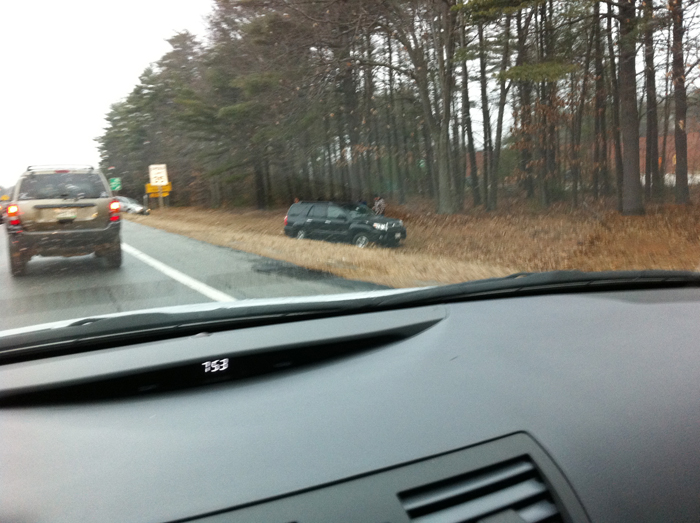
66	215
397	235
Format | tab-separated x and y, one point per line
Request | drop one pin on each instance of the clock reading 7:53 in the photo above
215	365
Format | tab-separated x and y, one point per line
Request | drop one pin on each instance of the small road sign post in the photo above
158	173
115	184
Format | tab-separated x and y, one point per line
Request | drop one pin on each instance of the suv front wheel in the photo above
361	240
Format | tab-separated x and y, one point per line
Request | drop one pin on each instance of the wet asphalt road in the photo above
64	288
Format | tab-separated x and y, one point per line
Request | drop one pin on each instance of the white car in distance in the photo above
132	206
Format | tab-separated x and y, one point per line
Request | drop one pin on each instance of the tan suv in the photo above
58	211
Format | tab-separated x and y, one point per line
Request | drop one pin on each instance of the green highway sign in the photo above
115	184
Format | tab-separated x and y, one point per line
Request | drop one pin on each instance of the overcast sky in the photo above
65	62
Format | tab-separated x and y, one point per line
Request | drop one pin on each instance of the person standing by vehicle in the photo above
379	205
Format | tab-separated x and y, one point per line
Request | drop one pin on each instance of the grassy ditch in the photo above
448	249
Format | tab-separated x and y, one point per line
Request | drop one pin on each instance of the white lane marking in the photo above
195	285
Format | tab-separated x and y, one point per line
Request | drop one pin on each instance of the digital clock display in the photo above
215	365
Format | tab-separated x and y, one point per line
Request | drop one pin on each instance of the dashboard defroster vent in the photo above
512	492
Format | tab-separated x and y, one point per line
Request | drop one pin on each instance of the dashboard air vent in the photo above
511	492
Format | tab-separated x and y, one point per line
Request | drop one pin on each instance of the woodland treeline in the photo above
460	102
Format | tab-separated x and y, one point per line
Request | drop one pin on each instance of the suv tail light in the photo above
13	214
285	220
114	208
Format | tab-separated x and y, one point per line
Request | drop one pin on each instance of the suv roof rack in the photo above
59	166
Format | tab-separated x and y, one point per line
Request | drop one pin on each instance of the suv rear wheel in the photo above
361	240
18	261
301	234
113	256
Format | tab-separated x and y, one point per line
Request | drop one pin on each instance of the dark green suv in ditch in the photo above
346	222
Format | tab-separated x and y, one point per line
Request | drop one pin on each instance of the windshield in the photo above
296	150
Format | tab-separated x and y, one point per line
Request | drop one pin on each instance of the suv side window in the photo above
319	210
336	212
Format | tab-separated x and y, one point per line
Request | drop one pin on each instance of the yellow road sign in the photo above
4	197
150	189
155	195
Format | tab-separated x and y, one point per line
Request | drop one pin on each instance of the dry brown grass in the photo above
667	237
450	249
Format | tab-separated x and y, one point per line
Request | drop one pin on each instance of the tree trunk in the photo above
370	124
429	161
653	185
349	88
542	120
600	154
629	119
667	113
525	112
553	136
487	148
503	93
351	156
680	101
617	141
458	159
289	172
467	130
547	108
444	46
392	167
578	124
402	146
308	166
343	163
376	150
329	159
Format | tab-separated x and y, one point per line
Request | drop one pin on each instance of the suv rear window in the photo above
56	186
298	209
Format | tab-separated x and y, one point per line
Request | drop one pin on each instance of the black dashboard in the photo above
545	408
